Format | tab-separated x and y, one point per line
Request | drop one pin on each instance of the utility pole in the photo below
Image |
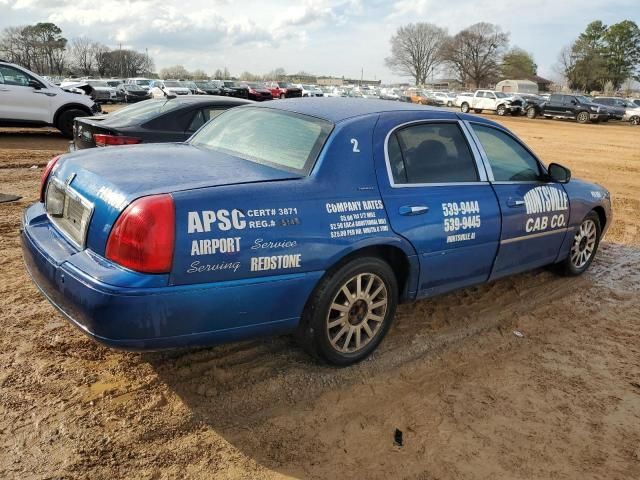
120	60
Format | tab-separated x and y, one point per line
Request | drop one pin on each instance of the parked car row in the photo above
581	108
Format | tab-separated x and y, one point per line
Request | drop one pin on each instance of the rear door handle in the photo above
413	209
514	203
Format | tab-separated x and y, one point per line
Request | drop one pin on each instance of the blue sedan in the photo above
314	216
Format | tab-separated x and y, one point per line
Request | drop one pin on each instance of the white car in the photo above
498	102
26	99
159	88
141	82
389	94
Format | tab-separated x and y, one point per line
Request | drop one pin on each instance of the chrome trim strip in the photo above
474	152
534	235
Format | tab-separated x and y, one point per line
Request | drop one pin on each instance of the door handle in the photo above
413	209
514	203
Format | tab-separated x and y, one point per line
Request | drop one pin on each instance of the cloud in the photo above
338	37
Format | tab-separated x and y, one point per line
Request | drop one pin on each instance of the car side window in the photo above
432	153
197	121
509	160
12	76
211	112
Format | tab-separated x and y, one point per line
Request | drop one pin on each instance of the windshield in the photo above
134	87
501	95
284	140
172	84
138	113
205	84
584	99
97	83
143	82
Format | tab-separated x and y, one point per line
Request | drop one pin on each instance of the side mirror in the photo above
558	173
35	84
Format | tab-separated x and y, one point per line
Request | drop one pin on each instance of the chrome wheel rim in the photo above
583	117
584	244
357	312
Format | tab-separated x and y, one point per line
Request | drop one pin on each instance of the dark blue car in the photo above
313	216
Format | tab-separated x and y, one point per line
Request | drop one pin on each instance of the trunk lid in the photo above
108	179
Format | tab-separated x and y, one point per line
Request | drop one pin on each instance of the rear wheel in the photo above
350	312
582	117
477	110
65	121
464	108
584	246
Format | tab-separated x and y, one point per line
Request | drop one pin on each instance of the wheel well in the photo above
602	216
394	256
67	107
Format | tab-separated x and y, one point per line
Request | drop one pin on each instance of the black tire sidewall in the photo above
65	121
314	318
464	108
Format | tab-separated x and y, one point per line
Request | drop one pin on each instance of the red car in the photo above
257	91
283	90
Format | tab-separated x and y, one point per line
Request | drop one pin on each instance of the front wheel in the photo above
635	120
282	97
531	113
501	110
584	246
350	312
583	117
65	121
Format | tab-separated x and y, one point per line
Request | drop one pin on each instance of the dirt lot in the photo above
473	400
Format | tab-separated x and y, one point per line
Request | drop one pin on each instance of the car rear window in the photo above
142	112
283	140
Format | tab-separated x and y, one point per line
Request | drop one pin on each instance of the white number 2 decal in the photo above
354	142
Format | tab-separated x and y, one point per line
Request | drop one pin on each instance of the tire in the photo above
449	104
282	97
635	120
333	324
477	110
584	247
582	117
464	108
65	121
501	110
531	113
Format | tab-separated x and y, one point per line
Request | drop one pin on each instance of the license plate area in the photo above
69	211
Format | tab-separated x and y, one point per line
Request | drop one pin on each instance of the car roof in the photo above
338	109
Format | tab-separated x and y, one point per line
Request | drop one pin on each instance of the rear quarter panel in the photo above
285	227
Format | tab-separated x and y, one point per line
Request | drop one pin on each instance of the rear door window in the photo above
431	153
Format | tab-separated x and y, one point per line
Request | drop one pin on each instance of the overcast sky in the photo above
322	37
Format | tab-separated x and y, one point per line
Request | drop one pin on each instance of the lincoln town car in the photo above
314	217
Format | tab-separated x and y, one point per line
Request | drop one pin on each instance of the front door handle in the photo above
413	209
514	203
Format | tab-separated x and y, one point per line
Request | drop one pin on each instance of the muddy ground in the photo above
473	401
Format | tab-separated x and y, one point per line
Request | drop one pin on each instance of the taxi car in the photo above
313	216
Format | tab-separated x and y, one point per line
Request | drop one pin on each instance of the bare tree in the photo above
82	52
416	50
199	75
475	53
176	71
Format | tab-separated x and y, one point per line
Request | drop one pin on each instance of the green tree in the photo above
589	69
518	64
622	52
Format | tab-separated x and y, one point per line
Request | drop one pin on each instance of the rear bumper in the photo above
142	317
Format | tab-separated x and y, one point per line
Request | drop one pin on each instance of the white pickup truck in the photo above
499	102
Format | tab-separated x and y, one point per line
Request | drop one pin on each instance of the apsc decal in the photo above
546	206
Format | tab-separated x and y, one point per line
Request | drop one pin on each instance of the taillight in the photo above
45	176
143	237
103	140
